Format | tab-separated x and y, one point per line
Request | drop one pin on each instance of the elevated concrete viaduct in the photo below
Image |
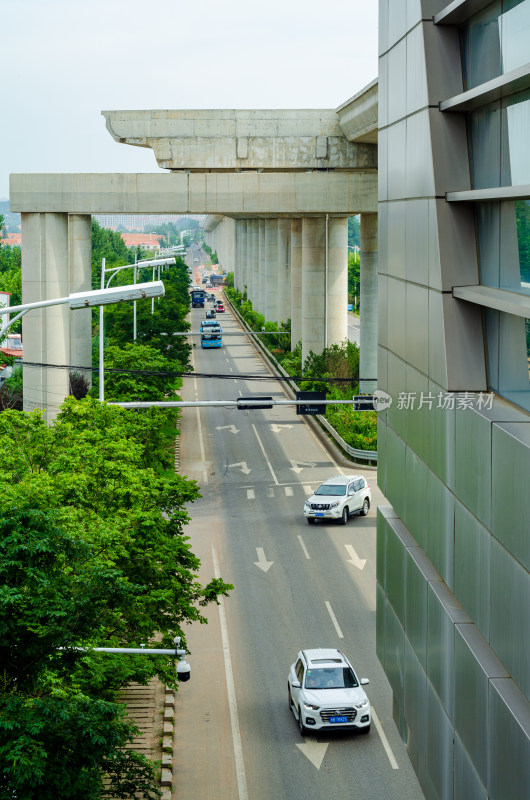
284	184
313	143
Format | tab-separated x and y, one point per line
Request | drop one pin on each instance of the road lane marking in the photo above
231	428
201	445
334	621
354	558
304	548
243	464
270	492
262	562
384	740
250	494
265	456
314	751
296	468
308	490
288	491
232	704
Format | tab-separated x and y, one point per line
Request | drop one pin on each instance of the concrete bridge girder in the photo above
231	194
271	140
287	179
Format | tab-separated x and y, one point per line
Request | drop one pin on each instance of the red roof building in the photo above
147	241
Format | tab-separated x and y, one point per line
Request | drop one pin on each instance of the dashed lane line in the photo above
384	740
232	704
304	548
334	621
265	456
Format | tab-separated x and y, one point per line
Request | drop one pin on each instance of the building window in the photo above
495	41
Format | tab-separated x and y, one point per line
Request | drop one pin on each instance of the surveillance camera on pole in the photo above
183	668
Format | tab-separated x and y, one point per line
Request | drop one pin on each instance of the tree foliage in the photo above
92	552
155	323
11	272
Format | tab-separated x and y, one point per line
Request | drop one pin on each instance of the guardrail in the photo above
358	455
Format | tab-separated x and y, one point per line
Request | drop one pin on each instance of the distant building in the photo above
13	346
146	241
140	221
12	239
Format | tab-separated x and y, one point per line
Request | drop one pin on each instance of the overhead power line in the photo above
181	374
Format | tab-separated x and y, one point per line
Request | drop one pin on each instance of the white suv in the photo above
338	498
325	692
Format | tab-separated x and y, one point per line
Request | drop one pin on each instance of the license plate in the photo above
338	719
319	514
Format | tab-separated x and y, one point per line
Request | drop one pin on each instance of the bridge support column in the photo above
337	283
313	285
284	269
260	299
240	250
56	261
271	270
324	283
296	281
253	288
368	340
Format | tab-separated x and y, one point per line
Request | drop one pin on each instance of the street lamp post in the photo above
114	271
98	297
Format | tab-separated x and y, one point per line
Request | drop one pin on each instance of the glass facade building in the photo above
453	587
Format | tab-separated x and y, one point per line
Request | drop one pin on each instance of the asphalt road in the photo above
354	329
296	586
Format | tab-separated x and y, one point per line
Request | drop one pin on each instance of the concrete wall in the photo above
453	586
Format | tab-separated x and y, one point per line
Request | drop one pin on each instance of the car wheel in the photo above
310	520
301	726
366	507
345	514
290	698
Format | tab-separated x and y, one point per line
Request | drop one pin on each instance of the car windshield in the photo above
327	489
330	678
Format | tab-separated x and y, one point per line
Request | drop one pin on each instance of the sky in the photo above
63	62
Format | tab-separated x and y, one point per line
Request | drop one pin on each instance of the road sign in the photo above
307	407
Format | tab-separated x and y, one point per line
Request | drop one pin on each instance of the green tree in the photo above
109	245
154	327
354	279
354	231
11	273
56	739
95	555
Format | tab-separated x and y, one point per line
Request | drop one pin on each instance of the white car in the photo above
338	498
325	692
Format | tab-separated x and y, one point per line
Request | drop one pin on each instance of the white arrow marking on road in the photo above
231	428
295	468
314	751
243	465
277	428
262	563
354	558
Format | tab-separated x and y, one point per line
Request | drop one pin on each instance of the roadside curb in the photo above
333	450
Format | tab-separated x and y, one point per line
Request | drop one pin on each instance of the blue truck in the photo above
197	298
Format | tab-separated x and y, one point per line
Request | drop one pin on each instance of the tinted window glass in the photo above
331	678
328	490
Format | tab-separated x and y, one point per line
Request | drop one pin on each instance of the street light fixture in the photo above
99	297
152	262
